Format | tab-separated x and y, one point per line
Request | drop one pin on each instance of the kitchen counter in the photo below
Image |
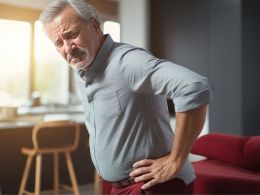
30	121
28	117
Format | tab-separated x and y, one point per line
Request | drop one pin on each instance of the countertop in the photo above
28	117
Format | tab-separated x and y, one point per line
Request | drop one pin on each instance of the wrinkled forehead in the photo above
66	19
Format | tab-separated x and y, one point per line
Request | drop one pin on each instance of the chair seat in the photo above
34	151
218	177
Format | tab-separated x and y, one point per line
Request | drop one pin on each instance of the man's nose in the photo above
67	46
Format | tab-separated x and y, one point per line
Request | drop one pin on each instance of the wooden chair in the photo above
38	151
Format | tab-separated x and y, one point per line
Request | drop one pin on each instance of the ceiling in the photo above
36	4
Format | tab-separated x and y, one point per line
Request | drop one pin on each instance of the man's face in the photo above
77	41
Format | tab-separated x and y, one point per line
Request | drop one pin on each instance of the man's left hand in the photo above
154	171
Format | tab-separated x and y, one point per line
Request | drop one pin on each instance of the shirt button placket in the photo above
90	100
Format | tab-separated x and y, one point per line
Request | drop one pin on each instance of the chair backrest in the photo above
56	134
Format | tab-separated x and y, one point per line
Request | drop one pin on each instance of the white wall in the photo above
133	17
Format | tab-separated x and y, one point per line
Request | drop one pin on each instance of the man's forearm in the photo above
154	171
188	126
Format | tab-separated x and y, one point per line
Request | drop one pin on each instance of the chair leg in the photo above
96	183
25	175
56	172
38	174
75	186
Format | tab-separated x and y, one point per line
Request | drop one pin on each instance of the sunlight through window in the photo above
14	61
112	28
51	71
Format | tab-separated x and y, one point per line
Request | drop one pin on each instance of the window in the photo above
51	75
14	61
113	28
51	70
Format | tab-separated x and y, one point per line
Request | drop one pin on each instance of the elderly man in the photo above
124	91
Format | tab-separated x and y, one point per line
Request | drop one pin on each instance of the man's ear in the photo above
96	24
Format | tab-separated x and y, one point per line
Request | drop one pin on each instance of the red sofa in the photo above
232	165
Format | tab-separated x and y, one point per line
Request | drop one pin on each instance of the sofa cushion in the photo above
215	177
251	153
223	147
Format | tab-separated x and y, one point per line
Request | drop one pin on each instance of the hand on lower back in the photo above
154	171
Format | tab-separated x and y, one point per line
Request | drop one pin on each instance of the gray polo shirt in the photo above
124	95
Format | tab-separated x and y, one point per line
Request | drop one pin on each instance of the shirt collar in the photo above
98	62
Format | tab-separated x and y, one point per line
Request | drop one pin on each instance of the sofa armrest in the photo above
223	147
251	153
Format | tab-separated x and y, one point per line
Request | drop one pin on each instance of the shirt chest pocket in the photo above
106	105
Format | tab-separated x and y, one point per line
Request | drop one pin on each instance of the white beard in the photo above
83	63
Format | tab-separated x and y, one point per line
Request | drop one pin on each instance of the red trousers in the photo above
172	187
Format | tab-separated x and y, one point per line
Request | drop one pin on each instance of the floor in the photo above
84	190
87	189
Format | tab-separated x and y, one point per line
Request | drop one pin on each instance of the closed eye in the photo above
59	43
71	35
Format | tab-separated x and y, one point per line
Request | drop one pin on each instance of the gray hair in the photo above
84	9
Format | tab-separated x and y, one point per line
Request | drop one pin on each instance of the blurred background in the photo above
216	38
